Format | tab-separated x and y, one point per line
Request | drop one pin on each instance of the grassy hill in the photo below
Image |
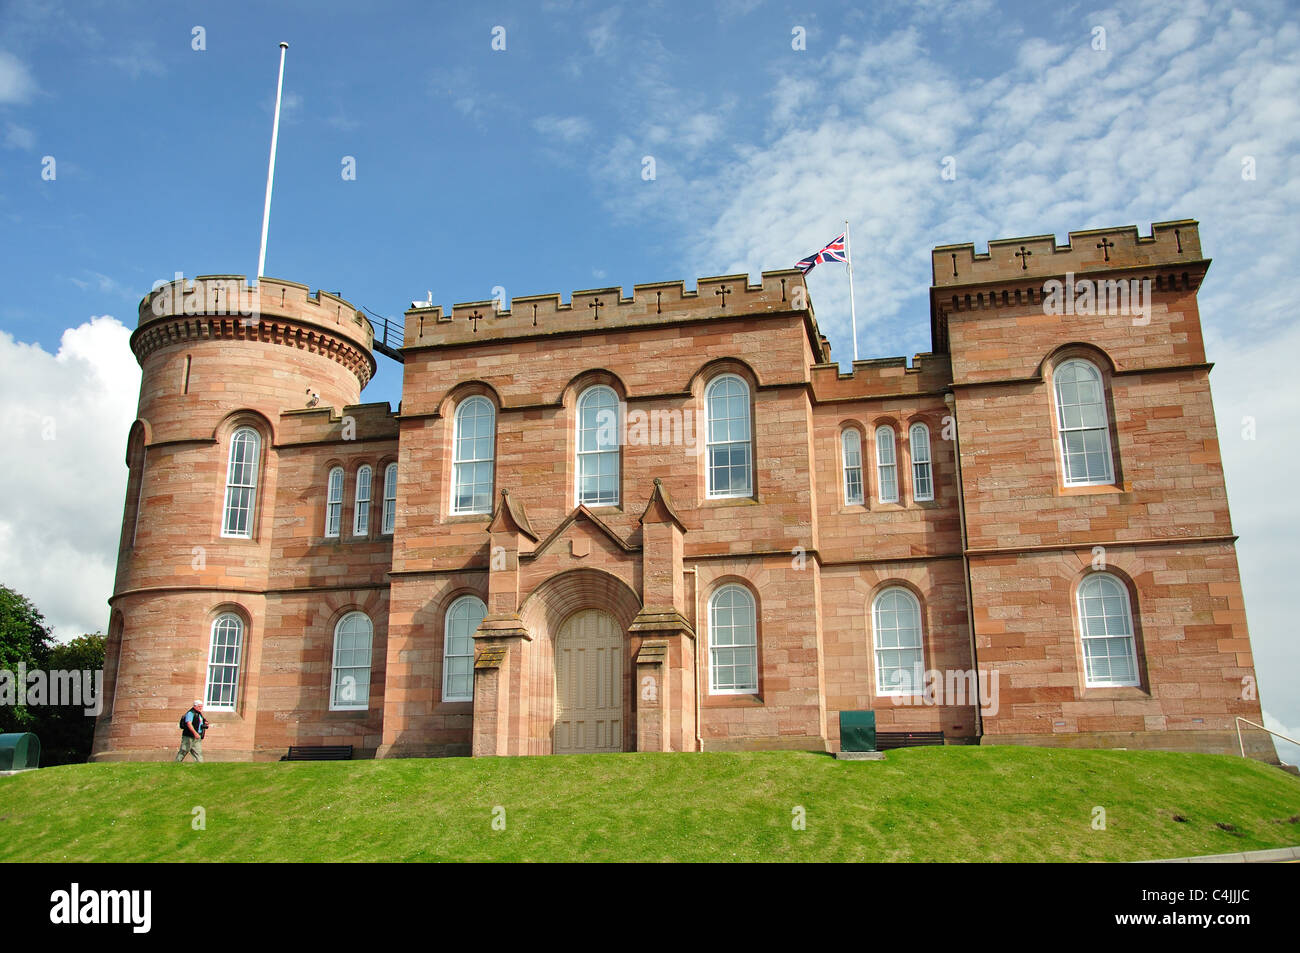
921	804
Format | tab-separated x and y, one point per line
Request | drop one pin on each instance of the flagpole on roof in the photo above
853	311
270	172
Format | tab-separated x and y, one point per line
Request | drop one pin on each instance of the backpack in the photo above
201	726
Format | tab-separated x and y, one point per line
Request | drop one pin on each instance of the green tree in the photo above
24	639
66	731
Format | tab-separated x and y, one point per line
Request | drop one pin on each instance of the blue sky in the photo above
522	168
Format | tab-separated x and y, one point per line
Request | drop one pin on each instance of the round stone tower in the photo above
222	362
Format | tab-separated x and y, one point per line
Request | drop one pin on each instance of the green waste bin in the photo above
857	731
19	751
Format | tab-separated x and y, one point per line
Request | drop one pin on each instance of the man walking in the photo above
193	727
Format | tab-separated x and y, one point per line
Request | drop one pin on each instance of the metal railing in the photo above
389	335
1242	745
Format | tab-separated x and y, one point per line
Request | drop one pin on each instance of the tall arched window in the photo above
462	620
334	502
390	498
851	444
241	483
473	452
886	465
222	690
922	474
1081	424
361	509
350	681
1106	624
733	642
900	655
597	443
726	406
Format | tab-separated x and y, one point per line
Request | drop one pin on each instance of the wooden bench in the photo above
319	753
889	740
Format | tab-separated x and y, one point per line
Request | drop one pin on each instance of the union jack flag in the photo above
832	252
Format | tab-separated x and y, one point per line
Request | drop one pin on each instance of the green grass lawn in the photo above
921	804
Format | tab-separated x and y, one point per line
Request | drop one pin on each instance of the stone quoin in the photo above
1035	509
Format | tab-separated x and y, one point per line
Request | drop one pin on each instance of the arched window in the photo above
1082	425
597	443
334	502
851	444
241	483
900	656
733	642
886	465
462	620
922	474
361	510
726	405
473	456
350	681
222	690
390	498
1106	623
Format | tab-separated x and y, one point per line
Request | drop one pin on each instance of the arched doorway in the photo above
589	684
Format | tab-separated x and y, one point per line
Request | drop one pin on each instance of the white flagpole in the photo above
270	172
853	311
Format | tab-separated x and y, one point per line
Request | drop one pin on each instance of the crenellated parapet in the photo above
285	313
885	377
358	423
599	309
1014	259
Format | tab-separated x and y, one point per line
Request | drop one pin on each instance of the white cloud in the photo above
16	83
566	128
19	137
64	424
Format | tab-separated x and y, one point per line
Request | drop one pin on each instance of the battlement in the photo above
882	377
1038	256
356	423
231	295
600	309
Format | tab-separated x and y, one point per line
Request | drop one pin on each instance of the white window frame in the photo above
886	464
244	489
715	628
855	490
922	464
230	627
747	442
353	669
475	606
878	630
390	499
1081	608
599	455
460	466
361	501
1062	429
333	502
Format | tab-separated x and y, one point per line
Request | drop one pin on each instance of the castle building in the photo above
668	522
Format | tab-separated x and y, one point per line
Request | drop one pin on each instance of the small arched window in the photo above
390	498
851	444
241	484
473	456
350	681
1082	425
886	465
727	412
222	690
334	502
1106	624
900	653
361	509
463	618
597	447
733	642
922	473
